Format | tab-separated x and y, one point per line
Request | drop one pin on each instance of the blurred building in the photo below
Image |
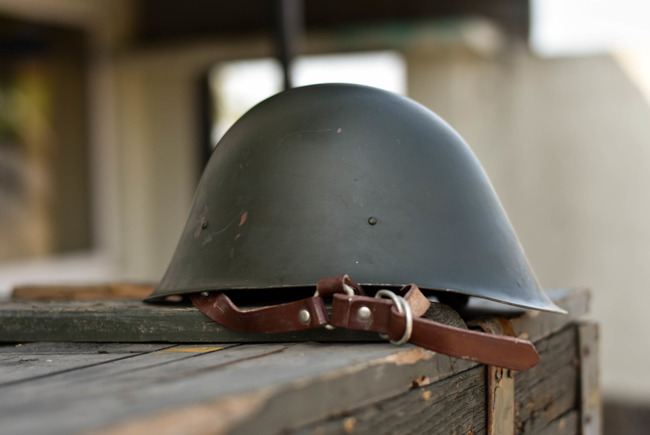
108	110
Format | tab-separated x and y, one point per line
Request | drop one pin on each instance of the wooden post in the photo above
590	401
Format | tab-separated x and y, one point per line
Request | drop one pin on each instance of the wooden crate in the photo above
219	385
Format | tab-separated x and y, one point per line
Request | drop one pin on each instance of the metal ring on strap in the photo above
403	307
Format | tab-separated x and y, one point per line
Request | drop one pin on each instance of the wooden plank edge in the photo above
78	292
269	410
364	419
590	397
135	322
131	321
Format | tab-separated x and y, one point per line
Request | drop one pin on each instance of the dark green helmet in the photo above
336	178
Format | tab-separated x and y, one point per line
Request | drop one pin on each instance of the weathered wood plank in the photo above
300	383
23	367
262	388
340	391
454	405
38	360
35	360
590	400
134	321
408	421
139	370
81	399
546	401
306	381
336	393
60	348
568	424
127	291
550	389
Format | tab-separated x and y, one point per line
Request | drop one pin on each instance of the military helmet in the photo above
339	178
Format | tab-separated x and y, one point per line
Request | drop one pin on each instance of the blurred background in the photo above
109	110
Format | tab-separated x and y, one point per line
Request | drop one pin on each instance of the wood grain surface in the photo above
214	386
131	321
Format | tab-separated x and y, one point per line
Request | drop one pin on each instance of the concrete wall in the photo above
158	145
566	143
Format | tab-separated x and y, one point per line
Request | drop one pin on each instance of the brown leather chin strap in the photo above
351	309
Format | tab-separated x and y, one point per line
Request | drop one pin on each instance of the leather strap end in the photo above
497	350
293	316
418	302
490	349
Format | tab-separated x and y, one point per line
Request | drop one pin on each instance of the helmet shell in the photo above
338	178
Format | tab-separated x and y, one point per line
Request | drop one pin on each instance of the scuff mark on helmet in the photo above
211	235
299	133
203	223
